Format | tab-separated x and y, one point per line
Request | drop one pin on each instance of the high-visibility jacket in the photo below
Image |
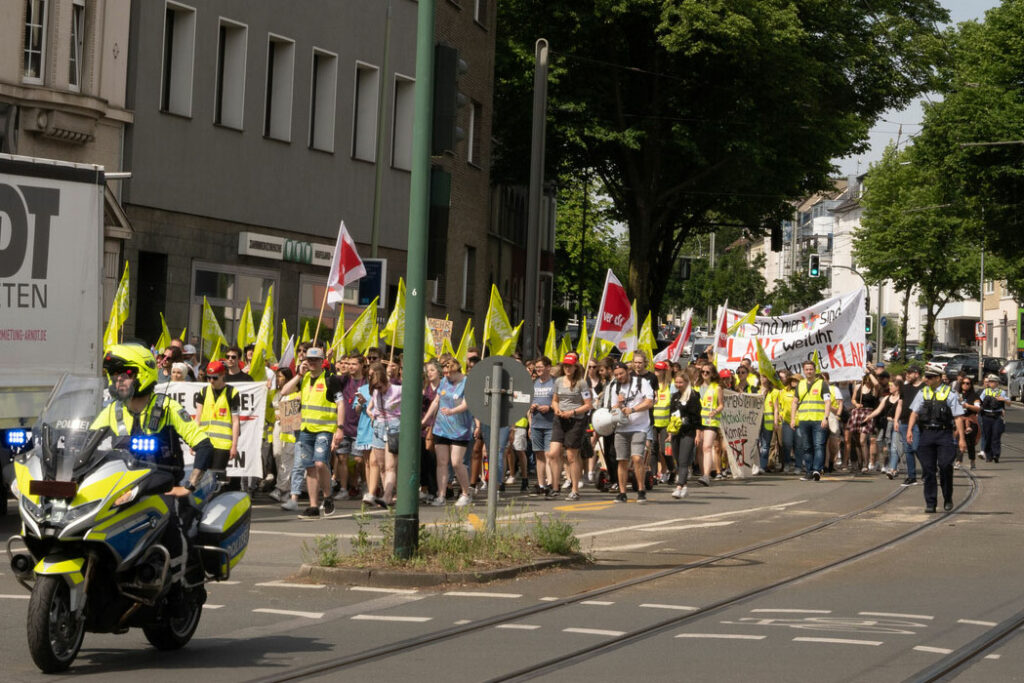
786	404
811	405
752	385
661	404
708	402
769	409
319	414
163	417
216	417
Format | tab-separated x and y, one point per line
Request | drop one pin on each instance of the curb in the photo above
387	578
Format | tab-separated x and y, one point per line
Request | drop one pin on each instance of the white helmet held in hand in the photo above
605	420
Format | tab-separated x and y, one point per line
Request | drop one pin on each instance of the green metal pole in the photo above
407	510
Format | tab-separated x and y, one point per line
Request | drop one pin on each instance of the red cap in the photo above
215	368
725	374
661	365
570	359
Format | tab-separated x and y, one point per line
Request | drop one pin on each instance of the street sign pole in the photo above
493	393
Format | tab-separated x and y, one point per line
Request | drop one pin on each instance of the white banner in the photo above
740	427
252	406
833	327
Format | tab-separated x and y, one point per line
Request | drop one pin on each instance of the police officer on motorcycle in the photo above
937	411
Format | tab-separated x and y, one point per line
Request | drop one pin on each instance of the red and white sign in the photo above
346	266
980	331
615	319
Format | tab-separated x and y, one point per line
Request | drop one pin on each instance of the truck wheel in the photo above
173	633
54	633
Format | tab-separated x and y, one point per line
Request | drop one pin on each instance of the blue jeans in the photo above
485	432
788	454
812	433
910	450
764	444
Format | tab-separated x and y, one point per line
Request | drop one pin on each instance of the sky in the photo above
888	128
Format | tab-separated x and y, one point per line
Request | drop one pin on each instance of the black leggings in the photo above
683	448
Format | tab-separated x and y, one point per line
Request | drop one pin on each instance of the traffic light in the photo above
814	265
684	268
447	99
867	324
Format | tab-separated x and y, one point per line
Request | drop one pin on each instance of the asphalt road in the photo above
883	617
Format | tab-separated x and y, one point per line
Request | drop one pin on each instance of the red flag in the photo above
346	266
672	352
288	355
615	319
722	331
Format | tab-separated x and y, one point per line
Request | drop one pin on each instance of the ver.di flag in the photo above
672	352
394	329
211	332
615	319
497	329
346	266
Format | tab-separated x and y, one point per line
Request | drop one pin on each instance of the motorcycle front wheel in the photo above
54	633
173	633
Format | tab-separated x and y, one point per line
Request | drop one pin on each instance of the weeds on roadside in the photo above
556	535
323	552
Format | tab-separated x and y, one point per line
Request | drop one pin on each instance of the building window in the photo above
1004	290
229	102
364	128
75	50
468	278
480	11
473	141
990	286
35	40
277	122
323	97
401	144
179	55
226	289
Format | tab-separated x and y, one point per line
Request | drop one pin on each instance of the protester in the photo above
571	403
660	418
811	408
633	397
453	429
710	419
290	478
787	443
217	412
684	418
232	361
385	411
970	399
428	464
769	421
541	422
860	429
179	372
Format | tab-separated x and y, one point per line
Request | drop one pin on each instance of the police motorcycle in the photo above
92	549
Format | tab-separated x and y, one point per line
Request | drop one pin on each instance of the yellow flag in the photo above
765	367
748	318
628	355
602	348
264	349
338	341
165	336
465	342
497	328
509	347
429	351
246	329
183	331
446	347
551	343
284	335
394	331
216	355
583	344
121	298
646	342
306	336
110	333
564	347
817	362
363	332
212	334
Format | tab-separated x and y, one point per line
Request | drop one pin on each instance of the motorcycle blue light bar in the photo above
144	445
17	438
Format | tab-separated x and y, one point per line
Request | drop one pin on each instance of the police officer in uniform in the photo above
937	411
993	402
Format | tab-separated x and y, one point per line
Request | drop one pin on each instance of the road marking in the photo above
285	584
589	507
655	605
460	622
519	627
838	641
897	615
976	622
594	632
624	548
667	522
227	583
470	594
209	606
792	611
992	656
298	534
15	597
935	650
290	613
475	520
374	589
548	598
384	617
684	527
723	636
601	603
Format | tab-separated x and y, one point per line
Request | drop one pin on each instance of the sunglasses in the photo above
231	356
705	372
214	378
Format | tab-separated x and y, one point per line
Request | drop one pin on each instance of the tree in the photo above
797	291
692	112
912	235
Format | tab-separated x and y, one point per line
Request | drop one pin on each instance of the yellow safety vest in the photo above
661	407
769	409
752	385
318	413
786	404
708	402
811	406
216	418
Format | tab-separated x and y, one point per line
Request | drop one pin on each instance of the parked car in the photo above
968	362
939	360
1015	382
1008	370
700	345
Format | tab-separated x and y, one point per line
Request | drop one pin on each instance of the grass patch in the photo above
452	544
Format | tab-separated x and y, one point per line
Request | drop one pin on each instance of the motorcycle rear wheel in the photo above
54	633
173	633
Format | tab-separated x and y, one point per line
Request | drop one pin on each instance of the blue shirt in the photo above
364	432
953	401
542	393
457	427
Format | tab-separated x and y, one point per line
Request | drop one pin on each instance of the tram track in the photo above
568	659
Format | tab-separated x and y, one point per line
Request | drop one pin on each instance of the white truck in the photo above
51	290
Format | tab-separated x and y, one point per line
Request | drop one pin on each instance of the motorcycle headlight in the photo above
35	510
81	511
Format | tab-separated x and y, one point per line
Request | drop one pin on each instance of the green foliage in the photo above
556	535
691	112
324	551
797	291
733	279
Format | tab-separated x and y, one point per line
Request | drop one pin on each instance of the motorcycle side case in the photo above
225	524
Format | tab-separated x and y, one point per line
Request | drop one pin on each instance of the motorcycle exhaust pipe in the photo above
21	565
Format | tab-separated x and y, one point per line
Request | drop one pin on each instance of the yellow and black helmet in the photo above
134	360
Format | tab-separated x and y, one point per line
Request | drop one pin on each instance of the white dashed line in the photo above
548	598
934	650
290	613
792	611
383	617
285	584
896	615
519	627
15	597
683	608
838	641
599	603
624	548
975	622
745	511
209	606
594	632
992	656
722	636
460	622
374	589
296	534
470	594
227	583
684	527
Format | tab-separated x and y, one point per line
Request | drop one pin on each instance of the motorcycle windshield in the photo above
61	437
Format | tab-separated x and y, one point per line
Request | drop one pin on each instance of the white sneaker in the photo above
291	505
566	485
482	488
369	499
438	502
590	477
510	479
463	500
342	494
680	492
755	470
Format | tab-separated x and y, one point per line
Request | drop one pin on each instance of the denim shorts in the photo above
541	439
313	447
380	433
345	446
